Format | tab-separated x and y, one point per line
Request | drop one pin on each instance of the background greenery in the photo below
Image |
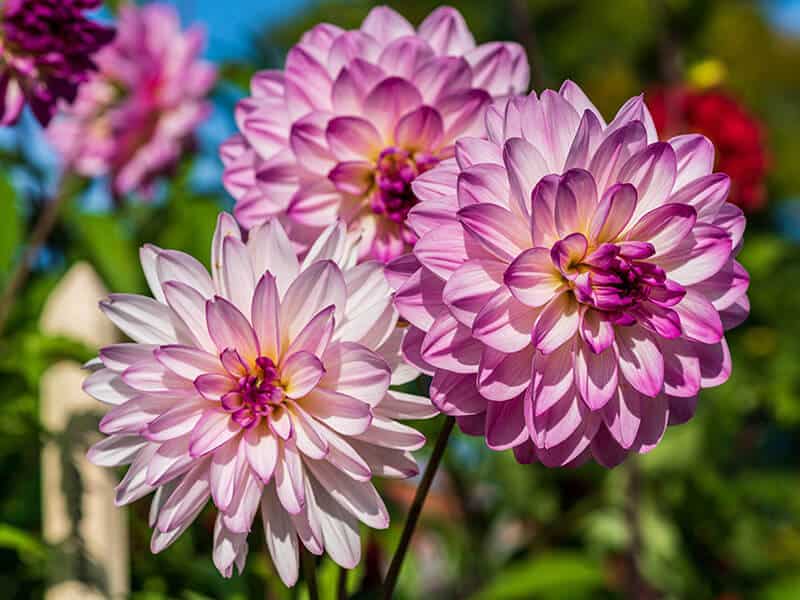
713	512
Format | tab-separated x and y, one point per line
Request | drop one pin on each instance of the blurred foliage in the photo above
718	510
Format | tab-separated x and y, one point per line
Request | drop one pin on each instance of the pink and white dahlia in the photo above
573	279
355	117
136	116
264	385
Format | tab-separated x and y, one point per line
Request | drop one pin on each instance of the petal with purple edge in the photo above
354	177
447	32
388	102
300	373
504	376
214	429
505	424
421	130
504	323
532	278
596	376
353	138
455	394
640	359
700	321
496	229
664	227
557	323
229	328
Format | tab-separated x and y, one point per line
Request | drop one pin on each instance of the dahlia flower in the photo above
355	117
573	279
46	49
736	134
262	386
136	116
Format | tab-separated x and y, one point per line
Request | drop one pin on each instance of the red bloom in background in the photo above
736	134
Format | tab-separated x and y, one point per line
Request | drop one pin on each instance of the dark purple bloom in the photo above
46	49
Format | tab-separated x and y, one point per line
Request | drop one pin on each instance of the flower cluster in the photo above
134	118
567	282
46	49
355	117
263	386
573	279
736	134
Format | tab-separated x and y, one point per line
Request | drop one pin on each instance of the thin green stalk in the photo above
416	508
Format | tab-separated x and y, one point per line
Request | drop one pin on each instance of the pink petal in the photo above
403	57
388	102
386	25
266	322
532	278
485	183
455	394
420	130
695	157
706	194
640	359
187	362
505	424
557	323
596	376
614	151
316	288
550	122
681	368
623	415
229	328
470	287
191	494
596	330
353	177
222	474
300	373
357	371
573	94
353	138
342	413
543	208
500	68
652	172
496	229
289	479
576	199
281	537
272	251
664	227
447	32
449	345
463	113
503	376
473	151
526	167
700	321
504	323
613	212
442	76
699	256
214	429
309	143
553	375
190	307
586	142
178	266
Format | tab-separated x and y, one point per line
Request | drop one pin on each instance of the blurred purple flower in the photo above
46	49
136	117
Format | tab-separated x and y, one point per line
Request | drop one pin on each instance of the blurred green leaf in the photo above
29	548
10	225
110	247
555	575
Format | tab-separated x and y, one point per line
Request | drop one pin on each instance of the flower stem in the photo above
416	508
19	276
341	588
310	573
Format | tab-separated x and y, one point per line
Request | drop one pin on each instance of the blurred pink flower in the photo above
134	119
264	385
355	116
572	280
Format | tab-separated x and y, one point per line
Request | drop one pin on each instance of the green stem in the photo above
416	508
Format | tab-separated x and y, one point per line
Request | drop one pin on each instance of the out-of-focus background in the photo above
713	512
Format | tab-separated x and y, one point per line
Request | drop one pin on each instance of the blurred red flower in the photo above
736	134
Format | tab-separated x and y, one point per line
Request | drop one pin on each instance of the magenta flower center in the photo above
257	394
395	171
615	278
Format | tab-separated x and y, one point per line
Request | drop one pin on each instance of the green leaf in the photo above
10	225
555	575
29	548
107	243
